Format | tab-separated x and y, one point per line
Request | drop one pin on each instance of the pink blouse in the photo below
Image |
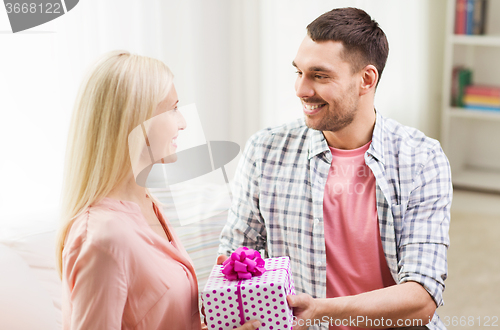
119	274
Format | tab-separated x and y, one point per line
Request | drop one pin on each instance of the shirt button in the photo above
316	221
318	264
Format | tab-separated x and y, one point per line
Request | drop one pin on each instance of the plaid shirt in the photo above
278	203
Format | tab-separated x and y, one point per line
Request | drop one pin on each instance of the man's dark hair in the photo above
363	40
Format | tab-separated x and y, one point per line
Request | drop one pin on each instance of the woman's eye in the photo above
298	72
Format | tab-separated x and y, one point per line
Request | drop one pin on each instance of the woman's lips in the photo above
312	109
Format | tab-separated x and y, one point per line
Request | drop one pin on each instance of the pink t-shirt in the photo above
354	255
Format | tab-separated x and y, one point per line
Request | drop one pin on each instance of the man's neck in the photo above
356	135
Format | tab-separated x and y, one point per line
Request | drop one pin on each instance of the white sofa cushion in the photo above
31	236
24	302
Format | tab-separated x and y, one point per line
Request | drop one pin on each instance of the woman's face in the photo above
163	128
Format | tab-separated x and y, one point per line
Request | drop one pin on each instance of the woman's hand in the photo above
250	325
221	258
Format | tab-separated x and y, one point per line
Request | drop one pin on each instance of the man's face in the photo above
328	90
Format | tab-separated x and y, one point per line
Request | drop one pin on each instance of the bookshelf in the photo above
471	138
476	40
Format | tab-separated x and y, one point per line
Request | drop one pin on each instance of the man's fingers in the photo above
291	300
296	300
221	259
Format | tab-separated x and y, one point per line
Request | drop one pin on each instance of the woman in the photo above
117	272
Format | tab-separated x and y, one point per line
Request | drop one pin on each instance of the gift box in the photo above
231	302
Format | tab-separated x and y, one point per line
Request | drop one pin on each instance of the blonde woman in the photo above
117	272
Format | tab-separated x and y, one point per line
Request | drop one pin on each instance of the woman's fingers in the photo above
250	325
221	259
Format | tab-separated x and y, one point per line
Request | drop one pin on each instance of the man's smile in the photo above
311	109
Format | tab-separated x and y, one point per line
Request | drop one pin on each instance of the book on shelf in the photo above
461	78
483	108
479	17
460	16
481	100
470	17
480	97
483	90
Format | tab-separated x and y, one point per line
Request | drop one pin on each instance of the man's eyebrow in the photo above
319	68
314	68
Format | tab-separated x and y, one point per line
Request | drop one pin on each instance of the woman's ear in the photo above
369	78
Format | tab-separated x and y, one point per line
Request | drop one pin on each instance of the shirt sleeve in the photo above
245	225
98	289
422	252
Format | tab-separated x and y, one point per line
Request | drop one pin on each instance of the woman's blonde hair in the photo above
120	92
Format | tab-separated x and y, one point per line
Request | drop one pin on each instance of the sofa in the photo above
30	288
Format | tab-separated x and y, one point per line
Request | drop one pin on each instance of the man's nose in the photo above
303	88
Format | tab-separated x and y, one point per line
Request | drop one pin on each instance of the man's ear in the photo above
369	78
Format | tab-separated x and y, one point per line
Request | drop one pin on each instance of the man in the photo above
359	202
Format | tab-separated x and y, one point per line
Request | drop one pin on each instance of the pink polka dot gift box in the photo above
247	287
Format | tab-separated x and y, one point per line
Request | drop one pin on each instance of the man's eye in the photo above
298	72
319	77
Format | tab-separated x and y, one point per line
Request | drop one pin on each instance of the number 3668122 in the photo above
32	8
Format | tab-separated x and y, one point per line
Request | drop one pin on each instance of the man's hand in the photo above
221	259
304	308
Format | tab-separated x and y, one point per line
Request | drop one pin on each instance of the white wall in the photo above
231	57
410	89
41	70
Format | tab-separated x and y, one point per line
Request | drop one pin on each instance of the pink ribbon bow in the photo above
243	264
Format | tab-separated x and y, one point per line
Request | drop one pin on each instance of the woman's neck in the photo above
129	190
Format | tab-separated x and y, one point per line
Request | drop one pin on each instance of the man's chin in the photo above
312	123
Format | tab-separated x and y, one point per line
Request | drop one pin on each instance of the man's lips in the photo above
312	109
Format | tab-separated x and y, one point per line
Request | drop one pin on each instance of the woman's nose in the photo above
181	122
